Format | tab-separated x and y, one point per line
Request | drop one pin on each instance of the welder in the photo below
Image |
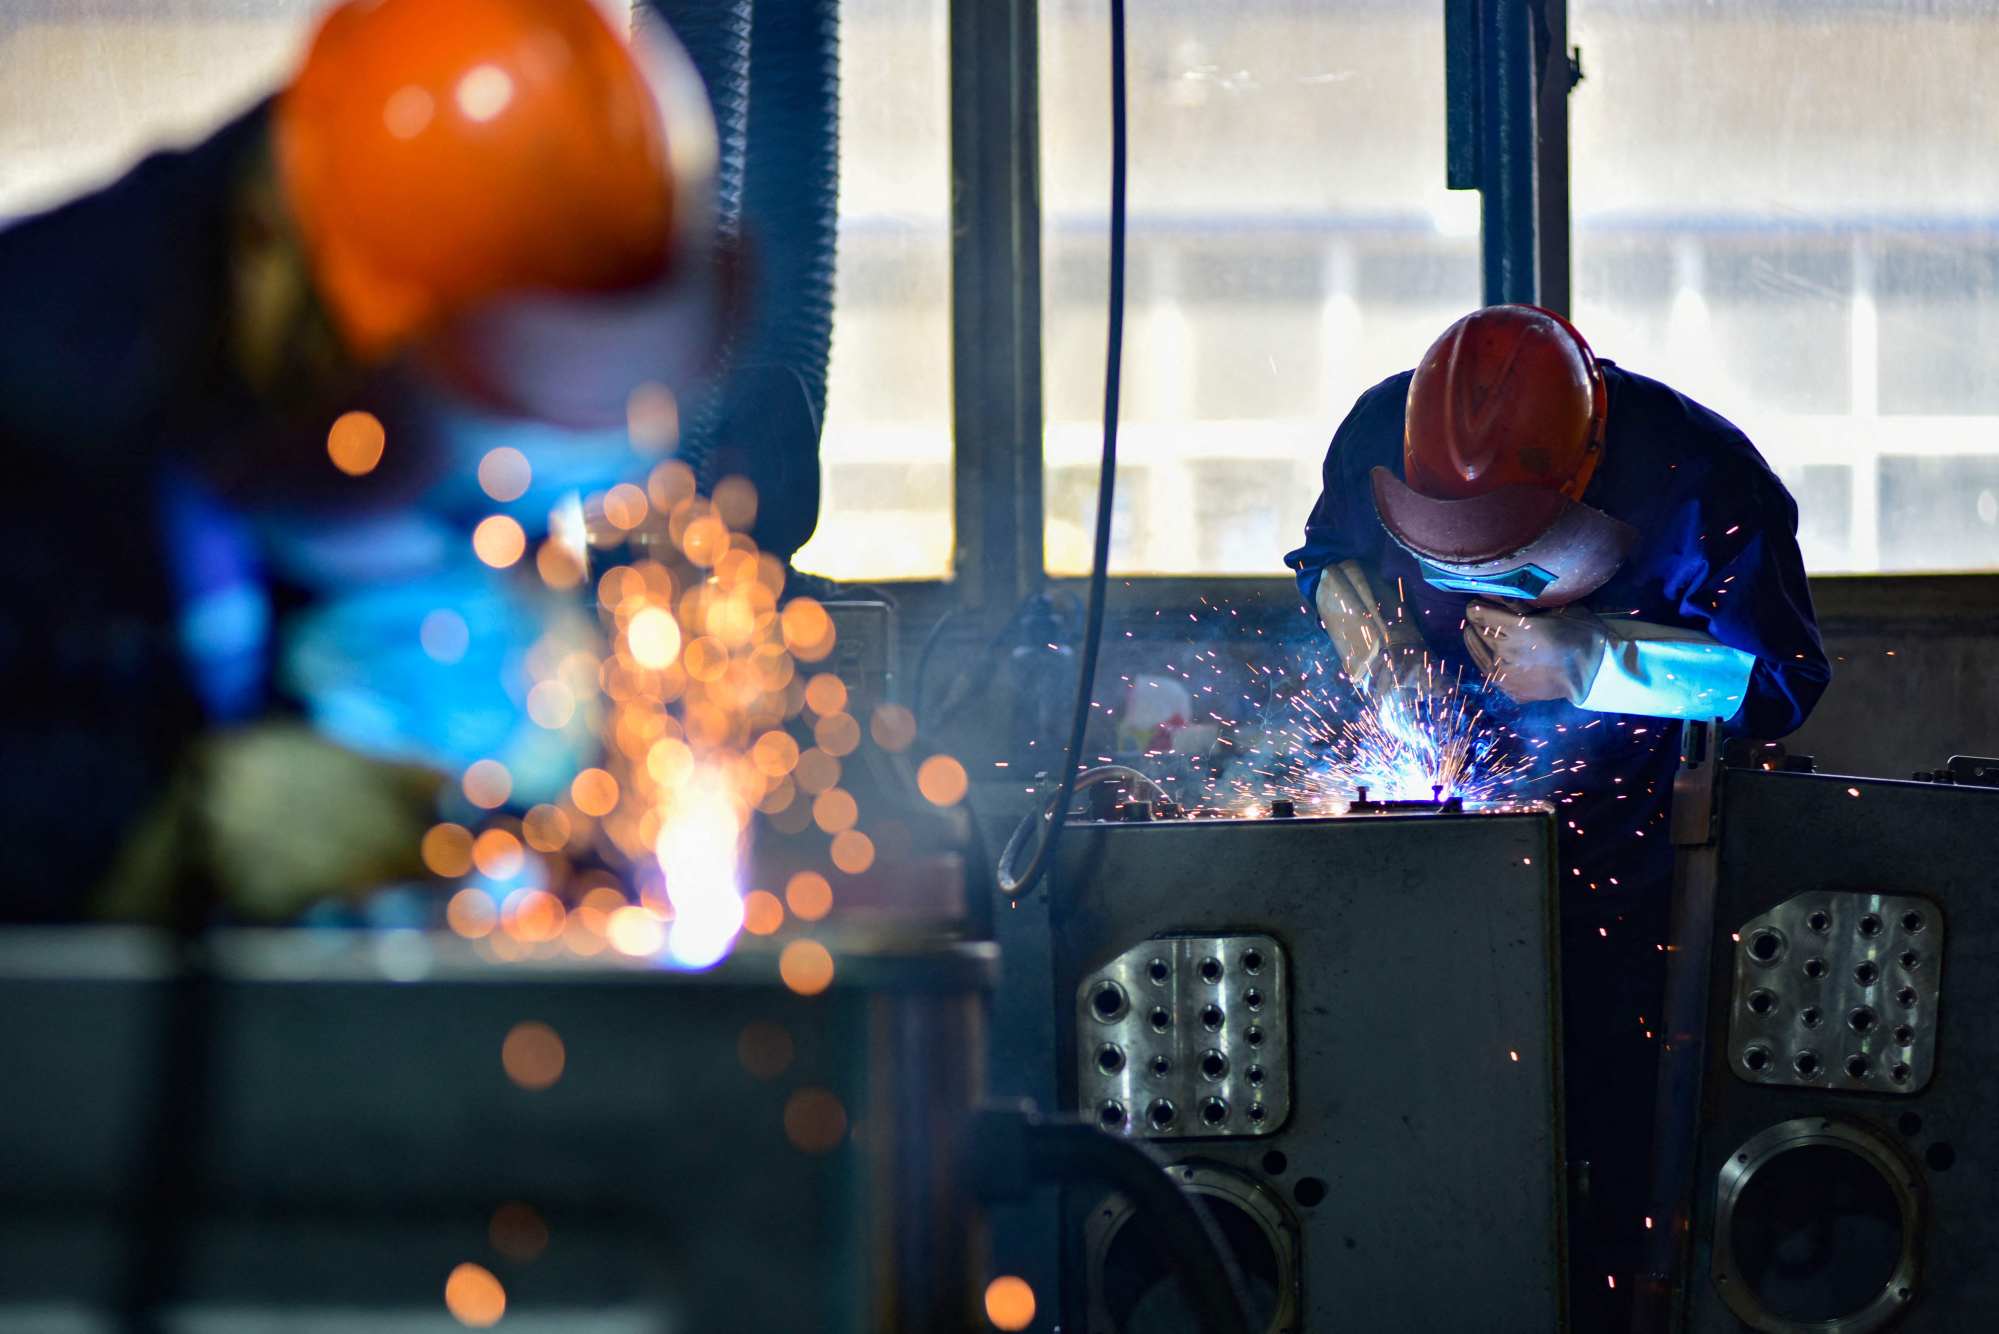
461	224
1597	557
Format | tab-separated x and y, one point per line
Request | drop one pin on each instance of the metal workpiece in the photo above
1839	991
1185	1037
1871	1178
1417	956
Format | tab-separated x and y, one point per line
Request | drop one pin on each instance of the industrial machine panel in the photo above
1418	1167
1845	1199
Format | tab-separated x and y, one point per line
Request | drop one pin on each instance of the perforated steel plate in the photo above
1838	991
1184	1037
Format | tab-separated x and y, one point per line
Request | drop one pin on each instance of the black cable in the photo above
1093	632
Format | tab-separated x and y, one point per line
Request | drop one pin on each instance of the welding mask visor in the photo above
1526	544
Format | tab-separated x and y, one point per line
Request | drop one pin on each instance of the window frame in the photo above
1507	97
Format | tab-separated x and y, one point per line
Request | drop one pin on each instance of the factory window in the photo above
1291	243
886	451
1785	211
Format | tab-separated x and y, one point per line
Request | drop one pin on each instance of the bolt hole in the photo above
1757	1058
1161	1067
1899	1073
1906	998
1108	1001
1213	1065
1905	1036
1910	961
1252	961
1254	1074
1815	968
1940	1156
1161	1020
1211	1017
1806	1064
1810	1016
1870	925
1861	1020
1912	922
1256	1112
1160	1114
1156	970
1253	1035
1214	1111
1111	1115
1253	999
1310	1192
1110	1058
1762	1002
1211	970
1866	974
1765	946
1856	1067
1819	921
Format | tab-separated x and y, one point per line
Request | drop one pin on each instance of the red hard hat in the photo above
436	154
1505	425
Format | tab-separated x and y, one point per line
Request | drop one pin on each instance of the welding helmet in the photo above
439	157
1505	427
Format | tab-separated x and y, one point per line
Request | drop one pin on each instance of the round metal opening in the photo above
1862	1020
1906	997
1856	1067
1904	1035
1756	1059
1161	1067
1111	1115
1867	974
1912	921
1815	968
1161	1020
1110	1058
1910	961
1252	961
1254	1074
1765	946
1253	999
1815	1228
1211	970
1762	1002
1211	1017
1161	1114
1253	1036
1870	924
1819	921
1256	1112
1135	1288
1806	1063
1214	1111
1810	1016
1899	1073
1213	1065
1156	970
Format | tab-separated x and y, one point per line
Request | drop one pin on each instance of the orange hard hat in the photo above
436	154
1508	395
1505	425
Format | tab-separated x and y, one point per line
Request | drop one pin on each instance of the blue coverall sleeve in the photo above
1343	525
1744	583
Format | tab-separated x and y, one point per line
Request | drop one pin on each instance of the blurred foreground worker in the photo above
1608	557
243	394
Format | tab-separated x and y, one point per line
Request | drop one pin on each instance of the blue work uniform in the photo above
1717	553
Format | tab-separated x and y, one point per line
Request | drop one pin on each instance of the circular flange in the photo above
1754	1157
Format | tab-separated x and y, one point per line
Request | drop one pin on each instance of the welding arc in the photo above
1100	557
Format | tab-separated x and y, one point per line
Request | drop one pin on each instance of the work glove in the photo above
1380	648
1535	655
1606	666
268	820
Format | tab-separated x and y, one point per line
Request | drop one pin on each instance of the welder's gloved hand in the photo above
1607	666
1380	648
269	820
1535	655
